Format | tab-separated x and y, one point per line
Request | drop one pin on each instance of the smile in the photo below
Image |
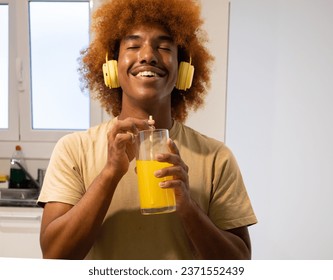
147	74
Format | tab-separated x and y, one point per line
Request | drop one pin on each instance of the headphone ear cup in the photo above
106	74
113	70
189	77
110	72
185	76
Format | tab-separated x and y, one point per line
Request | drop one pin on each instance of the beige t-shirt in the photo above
215	184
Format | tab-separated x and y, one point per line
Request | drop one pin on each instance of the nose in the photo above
147	55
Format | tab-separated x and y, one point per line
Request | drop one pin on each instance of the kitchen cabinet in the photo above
19	232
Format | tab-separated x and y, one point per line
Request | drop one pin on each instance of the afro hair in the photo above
181	19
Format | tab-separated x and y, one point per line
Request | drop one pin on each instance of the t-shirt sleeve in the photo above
63	181
230	205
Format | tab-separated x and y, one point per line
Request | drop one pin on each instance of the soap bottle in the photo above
17	177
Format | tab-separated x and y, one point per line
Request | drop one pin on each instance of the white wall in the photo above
210	120
280	122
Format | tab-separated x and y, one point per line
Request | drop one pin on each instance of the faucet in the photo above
17	162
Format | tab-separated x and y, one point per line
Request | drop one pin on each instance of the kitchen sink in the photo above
18	197
18	193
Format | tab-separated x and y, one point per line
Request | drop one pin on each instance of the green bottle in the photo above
17	178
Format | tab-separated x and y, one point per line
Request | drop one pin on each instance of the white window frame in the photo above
37	144
12	133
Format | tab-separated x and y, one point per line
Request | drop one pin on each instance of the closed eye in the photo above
133	47
165	48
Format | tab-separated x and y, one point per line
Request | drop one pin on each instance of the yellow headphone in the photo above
185	75
184	79
110	72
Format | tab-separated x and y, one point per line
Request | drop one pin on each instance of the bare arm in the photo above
209	241
67	231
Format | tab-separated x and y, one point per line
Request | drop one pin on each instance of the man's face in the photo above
147	64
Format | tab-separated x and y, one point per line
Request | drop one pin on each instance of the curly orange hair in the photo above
181	18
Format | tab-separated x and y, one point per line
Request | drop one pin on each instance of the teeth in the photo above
147	74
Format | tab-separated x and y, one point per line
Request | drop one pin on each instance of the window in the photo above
8	100
41	99
4	55
58	31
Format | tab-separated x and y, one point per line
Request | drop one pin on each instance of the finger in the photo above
176	171
121	139
174	159
132	136
172	146
130	124
175	184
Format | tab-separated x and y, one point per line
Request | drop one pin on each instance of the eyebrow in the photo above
138	37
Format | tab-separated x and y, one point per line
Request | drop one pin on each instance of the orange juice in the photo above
153	198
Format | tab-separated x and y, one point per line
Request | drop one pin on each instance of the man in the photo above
90	199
